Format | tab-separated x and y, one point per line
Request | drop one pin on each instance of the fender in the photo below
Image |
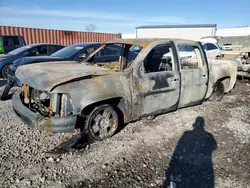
97	89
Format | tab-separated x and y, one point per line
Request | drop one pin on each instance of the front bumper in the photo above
39	122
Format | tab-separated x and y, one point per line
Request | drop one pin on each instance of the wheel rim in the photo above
103	123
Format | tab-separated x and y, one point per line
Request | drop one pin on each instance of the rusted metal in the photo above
25	90
50	107
36	35
243	64
63	104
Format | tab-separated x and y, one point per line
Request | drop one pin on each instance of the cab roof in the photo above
147	41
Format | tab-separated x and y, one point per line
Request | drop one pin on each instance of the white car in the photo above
227	46
212	51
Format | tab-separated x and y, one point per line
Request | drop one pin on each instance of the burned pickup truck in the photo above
147	77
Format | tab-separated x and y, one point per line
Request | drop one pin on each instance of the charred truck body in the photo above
135	78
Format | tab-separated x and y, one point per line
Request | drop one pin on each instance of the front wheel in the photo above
5	71
102	122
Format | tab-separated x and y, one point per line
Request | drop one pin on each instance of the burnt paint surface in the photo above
88	91
141	93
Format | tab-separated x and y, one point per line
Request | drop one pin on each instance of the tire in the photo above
4	71
218	92
102	122
5	91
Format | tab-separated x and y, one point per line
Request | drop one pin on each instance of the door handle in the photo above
204	75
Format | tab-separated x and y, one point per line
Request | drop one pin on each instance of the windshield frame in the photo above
122	55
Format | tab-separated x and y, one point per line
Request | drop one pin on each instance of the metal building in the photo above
37	35
192	31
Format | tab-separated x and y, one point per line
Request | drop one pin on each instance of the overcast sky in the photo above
122	16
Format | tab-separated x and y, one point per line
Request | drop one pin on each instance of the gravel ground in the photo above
201	146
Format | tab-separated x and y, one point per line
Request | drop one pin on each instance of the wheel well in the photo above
117	103
113	102
225	81
221	79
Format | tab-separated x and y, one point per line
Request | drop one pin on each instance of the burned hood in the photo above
45	76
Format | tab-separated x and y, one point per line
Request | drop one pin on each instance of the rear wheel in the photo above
218	92
102	122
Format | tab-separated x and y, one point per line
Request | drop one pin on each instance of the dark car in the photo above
30	50
75	52
10	42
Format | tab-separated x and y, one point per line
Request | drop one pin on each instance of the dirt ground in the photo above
197	147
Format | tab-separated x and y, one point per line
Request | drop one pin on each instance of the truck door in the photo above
156	84
194	74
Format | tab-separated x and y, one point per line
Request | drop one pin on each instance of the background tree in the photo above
90	27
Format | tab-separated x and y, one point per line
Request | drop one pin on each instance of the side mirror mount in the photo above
122	61
83	56
141	68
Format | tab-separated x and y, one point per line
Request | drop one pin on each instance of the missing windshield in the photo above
114	56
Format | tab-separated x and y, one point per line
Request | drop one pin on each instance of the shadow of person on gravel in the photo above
191	164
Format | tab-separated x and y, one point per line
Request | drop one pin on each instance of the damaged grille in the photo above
47	104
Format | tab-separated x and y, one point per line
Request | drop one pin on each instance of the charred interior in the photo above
47	104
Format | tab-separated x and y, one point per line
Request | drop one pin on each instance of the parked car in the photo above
75	52
98	96
210	39
30	50
212	51
227	46
10	42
